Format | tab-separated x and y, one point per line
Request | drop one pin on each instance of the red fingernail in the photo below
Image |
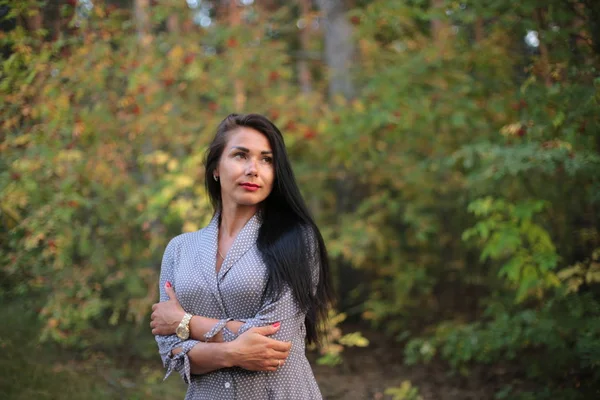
276	324
168	284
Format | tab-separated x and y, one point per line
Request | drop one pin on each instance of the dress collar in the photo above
245	239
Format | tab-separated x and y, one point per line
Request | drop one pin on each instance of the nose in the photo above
251	169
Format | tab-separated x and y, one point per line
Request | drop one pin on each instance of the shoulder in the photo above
187	238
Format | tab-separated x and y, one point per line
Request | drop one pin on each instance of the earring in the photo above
216	178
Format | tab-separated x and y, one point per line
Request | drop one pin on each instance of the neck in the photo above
234	218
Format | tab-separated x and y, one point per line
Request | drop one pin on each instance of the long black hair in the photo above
289	241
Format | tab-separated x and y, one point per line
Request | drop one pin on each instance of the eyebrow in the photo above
245	150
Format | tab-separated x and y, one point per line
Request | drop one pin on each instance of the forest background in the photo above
450	151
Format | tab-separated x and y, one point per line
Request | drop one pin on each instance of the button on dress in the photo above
236	291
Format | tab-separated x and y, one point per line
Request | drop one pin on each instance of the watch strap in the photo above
185	322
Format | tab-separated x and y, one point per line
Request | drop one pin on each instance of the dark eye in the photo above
239	155
268	160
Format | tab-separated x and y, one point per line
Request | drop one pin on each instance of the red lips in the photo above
250	185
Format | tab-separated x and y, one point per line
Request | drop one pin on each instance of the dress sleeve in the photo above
284	308
180	362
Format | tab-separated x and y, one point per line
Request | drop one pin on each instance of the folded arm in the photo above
173	351
252	351
168	314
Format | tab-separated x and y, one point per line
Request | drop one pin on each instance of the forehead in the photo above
248	138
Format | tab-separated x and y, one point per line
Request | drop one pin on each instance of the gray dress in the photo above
189	263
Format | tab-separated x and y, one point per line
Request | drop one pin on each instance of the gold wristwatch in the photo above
183	330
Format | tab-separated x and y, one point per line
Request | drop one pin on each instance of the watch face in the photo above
182	333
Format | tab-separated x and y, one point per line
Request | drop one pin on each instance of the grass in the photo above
33	370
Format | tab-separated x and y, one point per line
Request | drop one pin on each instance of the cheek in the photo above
230	169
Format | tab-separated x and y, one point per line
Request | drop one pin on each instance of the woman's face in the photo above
245	169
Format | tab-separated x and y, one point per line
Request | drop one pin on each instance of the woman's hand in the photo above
166	315
254	351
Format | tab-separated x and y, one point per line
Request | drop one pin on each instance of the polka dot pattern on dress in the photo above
189	263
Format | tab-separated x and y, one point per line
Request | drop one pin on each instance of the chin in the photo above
249	201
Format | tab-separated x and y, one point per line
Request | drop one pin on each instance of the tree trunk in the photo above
339	52
34	21
238	84
339	47
303	70
173	23
142	22
544	61
479	31
440	29
593	11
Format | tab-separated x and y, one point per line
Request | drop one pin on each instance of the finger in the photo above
154	306
269	365
170	291
281	355
274	365
154	332
279	346
266	330
153	315
278	355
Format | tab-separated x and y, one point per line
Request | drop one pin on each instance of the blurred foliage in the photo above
103	147
334	341
473	134
460	184
509	234
406	391
53	373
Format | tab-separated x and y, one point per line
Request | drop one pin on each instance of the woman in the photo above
240	297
